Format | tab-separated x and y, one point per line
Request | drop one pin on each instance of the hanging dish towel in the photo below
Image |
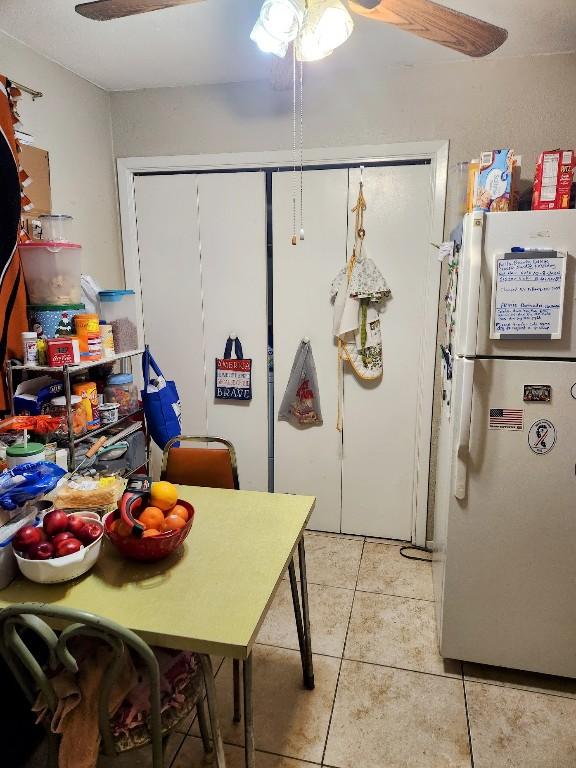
233	379
358	291
301	401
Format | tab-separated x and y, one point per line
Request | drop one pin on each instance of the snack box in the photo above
497	186
31	396
63	351
553	180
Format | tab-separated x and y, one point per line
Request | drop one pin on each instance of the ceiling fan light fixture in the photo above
327	25
278	25
267	42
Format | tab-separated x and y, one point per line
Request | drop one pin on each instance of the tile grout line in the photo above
468	726
342	657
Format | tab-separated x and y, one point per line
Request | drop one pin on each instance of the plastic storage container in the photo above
24	454
55	227
120	388
118	309
57	407
52	271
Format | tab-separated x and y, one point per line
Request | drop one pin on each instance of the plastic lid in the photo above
29	335
53	244
74	400
54	307
114	295
21	451
120	378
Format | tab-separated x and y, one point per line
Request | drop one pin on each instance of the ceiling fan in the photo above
424	18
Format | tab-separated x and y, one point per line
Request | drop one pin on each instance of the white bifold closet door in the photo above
202	250
364	478
309	460
379	470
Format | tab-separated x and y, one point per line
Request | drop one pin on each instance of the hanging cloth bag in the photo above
161	403
301	401
233	380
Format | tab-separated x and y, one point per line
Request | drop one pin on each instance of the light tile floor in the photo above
384	698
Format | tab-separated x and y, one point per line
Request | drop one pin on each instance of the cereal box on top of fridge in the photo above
553	180
497	188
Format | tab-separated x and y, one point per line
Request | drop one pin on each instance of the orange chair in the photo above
206	467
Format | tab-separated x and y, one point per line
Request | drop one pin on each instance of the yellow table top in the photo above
212	594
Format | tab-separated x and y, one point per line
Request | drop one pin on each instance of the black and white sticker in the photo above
542	436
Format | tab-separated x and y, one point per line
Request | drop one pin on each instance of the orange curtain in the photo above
12	289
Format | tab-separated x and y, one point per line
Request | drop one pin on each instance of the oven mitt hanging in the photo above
160	402
301	402
233	380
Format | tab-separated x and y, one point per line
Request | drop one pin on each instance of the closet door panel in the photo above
168	245
380	418
233	256
308	460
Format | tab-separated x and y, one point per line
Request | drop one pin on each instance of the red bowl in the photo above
152	548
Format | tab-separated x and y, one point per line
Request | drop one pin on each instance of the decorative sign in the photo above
537	393
542	436
528	295
506	418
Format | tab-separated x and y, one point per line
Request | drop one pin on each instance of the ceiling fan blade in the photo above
435	22
104	10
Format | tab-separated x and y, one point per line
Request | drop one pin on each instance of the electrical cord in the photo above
417	549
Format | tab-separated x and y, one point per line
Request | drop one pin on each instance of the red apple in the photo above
55	522
62	536
26	537
90	532
41	551
75	523
68	547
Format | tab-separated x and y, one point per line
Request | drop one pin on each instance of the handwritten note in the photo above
529	293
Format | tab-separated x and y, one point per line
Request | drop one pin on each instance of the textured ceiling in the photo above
208	42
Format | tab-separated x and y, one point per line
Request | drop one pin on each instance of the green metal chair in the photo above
19	621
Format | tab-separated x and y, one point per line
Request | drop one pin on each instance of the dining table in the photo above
212	594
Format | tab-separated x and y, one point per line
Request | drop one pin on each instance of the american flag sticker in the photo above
506	418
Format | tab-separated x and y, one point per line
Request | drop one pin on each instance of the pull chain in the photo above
301	150
294	145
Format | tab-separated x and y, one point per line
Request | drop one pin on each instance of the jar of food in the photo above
52	271
57	407
24	454
120	388
89	394
88	330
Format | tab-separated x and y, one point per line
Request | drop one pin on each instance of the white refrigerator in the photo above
505	512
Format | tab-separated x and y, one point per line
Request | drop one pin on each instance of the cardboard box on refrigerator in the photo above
553	180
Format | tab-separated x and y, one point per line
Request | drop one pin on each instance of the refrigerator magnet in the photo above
538	393
542	436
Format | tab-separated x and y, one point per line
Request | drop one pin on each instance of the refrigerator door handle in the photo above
464	422
474	246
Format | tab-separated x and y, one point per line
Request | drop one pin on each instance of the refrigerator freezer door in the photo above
555	230
510	564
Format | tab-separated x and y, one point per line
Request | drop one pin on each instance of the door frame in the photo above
434	151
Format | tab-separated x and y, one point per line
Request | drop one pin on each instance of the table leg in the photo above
296	604
236	677
213	710
307	663
249	748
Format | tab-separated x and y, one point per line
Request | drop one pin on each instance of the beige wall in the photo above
526	103
72	122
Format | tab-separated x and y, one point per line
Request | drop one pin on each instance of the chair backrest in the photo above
20	620
207	467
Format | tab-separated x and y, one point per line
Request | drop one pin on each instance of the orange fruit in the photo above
181	511
151	517
149	532
173	523
163	495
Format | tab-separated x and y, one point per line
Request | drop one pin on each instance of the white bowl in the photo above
60	568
